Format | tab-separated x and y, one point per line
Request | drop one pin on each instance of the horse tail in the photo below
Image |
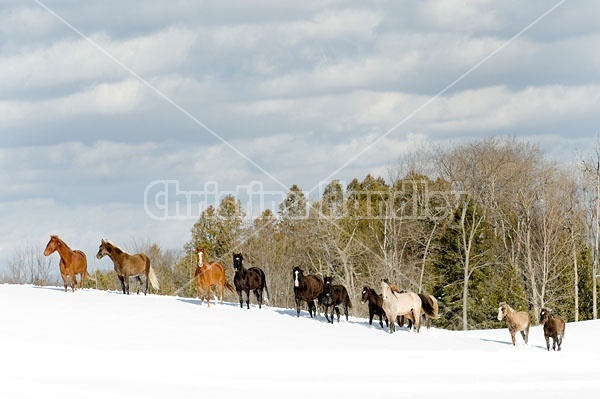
230	287
429	305
90	276
266	292
153	279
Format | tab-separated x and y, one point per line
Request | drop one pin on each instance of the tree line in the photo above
476	224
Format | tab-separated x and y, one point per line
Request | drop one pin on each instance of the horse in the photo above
515	321
127	265
72	262
249	279
375	302
306	288
554	327
334	295
400	303
209	274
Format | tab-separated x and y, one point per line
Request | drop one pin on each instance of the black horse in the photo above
375	305
334	296
249	279
306	288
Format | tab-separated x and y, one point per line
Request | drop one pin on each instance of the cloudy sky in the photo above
101	102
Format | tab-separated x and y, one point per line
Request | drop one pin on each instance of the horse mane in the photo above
112	247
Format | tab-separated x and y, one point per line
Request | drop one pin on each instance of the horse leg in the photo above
514	339
346	310
64	277
371	314
313	308
208	295
139	284
122	280
147	278
241	299
547	342
248	299
73	282
297	307
259	294
337	312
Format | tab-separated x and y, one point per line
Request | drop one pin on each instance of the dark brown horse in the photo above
306	288
249	279
127	265
554	327
334	296
210	274
72	262
375	302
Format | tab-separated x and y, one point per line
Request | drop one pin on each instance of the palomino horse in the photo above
515	321
127	265
400	303
306	288
210	274
72	262
249	279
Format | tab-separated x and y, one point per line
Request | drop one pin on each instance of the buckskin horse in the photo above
515	321
400	303
127	265
306	288
72	262
249	279
209	274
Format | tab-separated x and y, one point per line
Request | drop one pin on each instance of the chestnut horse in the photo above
400	303
127	265
72	262
515	321
210	274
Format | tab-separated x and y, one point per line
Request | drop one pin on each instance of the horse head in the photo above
200	255
297	274
365	294
327	290
545	314
502	309
385	289
103	249
52	245
238	260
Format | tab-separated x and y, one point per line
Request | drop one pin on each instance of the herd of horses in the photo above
391	306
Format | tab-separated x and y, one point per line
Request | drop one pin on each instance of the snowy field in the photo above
94	344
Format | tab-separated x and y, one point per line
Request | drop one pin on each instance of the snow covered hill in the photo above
94	344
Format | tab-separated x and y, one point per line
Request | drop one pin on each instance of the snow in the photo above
95	344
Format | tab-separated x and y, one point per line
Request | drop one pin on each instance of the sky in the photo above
113	114
98	344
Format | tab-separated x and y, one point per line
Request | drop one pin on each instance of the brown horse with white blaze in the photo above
72	262
127	265
210	274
